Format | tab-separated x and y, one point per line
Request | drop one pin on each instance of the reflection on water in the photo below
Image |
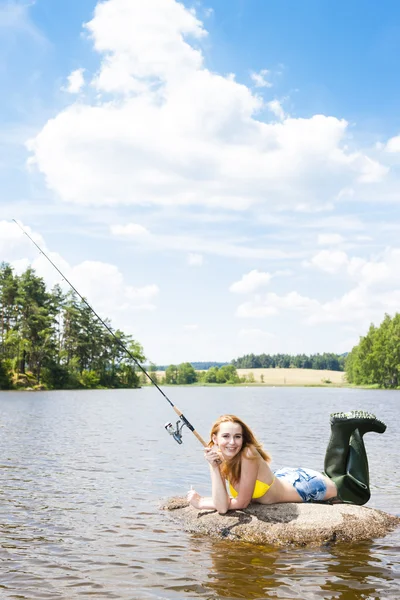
82	476
345	572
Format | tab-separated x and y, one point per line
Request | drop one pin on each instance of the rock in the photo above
285	524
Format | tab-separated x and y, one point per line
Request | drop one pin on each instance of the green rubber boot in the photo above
357	419
353	486
346	461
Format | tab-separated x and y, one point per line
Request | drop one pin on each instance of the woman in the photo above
236	458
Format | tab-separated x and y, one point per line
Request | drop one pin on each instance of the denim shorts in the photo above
309	484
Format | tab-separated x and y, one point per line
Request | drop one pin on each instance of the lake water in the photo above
83	475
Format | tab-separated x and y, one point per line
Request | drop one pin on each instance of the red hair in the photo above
231	469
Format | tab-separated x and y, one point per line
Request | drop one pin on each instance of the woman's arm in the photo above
247	482
220	499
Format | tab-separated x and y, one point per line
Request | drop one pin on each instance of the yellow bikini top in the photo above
260	488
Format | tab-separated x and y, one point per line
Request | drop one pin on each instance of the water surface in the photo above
83	474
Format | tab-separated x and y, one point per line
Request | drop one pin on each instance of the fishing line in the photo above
177	432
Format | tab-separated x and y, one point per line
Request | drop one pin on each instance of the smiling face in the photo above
229	438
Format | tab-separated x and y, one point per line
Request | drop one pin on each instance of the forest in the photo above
328	361
376	358
52	340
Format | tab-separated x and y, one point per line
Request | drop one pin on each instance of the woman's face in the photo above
229	439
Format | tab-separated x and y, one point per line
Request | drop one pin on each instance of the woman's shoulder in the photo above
250	453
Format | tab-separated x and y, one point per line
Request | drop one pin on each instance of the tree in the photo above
171	375
55	337
376	358
5	375
186	374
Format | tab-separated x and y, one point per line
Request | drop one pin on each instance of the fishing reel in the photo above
177	432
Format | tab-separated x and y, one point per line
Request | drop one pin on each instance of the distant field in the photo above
290	376
293	376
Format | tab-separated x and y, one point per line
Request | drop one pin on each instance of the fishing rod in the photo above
182	421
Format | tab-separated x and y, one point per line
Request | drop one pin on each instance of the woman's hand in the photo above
212	456
194	498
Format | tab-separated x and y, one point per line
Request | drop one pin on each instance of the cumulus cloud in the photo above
175	133
393	145
330	261
376	290
76	81
271	304
103	284
276	107
250	282
382	270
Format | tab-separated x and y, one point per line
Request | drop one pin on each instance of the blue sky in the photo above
217	178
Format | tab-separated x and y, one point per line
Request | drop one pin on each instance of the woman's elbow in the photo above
223	510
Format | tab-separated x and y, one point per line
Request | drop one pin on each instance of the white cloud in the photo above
193	327
175	133
378	270
330	261
393	145
376	290
195	260
116	295
358	307
276	108
260	78
272	304
103	284
76	81
143	42
250	282
330	239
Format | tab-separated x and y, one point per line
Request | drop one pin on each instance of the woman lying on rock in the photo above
236	457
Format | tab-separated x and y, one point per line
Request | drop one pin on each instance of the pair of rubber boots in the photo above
346	461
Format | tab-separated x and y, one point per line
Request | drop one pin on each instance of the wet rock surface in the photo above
285	524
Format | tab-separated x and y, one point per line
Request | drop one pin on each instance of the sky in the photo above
217	178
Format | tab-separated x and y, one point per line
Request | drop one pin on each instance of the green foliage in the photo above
89	379
5	375
224	374
250	377
376	359
55	340
182	374
326	361
171	375
186	374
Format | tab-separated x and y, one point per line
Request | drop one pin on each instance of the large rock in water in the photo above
286	524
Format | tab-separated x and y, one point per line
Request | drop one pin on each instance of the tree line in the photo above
326	361
376	358
186	374
52	340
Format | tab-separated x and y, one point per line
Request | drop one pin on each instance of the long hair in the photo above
231	469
